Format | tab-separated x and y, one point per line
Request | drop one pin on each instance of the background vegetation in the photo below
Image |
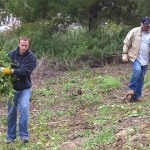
73	30
71	45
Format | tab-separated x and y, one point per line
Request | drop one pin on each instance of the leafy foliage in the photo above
6	87
143	4
71	45
88	13
33	10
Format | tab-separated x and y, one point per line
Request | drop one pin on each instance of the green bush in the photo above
6	88
69	45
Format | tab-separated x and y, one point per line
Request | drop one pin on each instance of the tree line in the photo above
88	13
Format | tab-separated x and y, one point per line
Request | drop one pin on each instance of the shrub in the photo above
70	45
6	88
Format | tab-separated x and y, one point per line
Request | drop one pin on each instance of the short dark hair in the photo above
24	38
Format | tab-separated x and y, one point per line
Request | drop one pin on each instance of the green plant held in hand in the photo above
6	87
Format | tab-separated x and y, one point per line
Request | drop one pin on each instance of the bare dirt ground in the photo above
125	132
126	135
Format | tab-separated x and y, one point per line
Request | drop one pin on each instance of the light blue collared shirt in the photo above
143	55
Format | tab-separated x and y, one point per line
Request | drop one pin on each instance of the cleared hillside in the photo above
84	110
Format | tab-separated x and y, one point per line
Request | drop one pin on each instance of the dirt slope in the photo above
131	131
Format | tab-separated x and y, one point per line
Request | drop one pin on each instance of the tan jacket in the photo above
132	43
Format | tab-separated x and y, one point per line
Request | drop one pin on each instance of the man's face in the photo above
145	28
23	45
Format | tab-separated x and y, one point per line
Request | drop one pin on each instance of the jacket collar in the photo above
18	52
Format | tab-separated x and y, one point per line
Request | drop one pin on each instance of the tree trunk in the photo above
93	16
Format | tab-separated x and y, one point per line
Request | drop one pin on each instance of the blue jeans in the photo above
137	78
22	98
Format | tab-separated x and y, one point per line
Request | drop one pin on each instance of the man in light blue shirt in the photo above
137	48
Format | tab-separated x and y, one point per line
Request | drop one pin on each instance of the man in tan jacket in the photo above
136	49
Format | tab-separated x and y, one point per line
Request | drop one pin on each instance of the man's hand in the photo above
124	57
5	70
